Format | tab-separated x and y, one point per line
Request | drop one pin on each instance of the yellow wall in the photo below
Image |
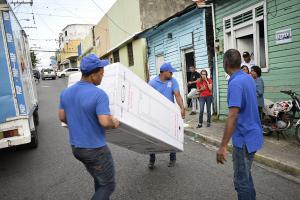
69	50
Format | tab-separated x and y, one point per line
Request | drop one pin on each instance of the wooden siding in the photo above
284	59
192	23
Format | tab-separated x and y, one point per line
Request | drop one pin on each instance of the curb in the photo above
270	162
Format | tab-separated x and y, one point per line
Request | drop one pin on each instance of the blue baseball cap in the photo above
167	67
91	62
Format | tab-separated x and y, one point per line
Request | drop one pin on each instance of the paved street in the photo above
50	172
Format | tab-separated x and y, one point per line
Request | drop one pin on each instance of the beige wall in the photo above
87	43
102	38
125	15
139	56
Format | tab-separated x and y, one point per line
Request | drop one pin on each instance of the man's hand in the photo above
221	155
183	113
116	122
190	82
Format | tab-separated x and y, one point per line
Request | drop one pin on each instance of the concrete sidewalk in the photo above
282	154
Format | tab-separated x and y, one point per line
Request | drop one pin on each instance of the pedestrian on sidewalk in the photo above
243	125
256	74
85	109
204	87
193	94
167	86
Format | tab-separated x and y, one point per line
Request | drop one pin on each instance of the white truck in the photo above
18	97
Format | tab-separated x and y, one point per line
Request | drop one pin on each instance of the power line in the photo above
70	11
47	25
51	15
43	39
51	51
42	14
111	18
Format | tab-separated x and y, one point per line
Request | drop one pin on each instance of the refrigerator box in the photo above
149	122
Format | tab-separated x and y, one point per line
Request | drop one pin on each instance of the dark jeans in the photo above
172	157
208	101
100	165
260	113
243	183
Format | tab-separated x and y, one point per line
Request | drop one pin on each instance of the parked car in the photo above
67	72
48	73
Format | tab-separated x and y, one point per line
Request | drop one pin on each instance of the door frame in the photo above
184	71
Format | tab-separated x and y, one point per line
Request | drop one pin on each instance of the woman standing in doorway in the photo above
204	87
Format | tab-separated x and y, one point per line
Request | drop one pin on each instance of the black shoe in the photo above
199	126
208	124
172	163
151	165
193	113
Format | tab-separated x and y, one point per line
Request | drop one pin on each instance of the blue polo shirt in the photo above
242	94
166	88
82	102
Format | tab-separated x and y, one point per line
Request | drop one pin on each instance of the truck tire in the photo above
34	140
62	76
36	119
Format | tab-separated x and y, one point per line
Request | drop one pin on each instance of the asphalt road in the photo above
51	171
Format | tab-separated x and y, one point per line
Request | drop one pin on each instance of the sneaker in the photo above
193	113
208	124
151	165
172	163
199	126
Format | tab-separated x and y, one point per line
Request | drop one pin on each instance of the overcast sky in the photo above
51	16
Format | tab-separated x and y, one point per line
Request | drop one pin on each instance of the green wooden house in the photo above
270	31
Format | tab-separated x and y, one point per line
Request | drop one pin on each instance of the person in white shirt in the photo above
247	60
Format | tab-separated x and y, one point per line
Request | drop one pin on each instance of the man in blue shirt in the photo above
243	125
85	109
167	86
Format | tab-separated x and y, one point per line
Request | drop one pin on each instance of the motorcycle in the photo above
281	115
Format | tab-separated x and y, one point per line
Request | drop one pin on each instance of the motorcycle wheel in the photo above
267	132
297	132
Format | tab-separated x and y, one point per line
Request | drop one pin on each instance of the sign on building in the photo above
283	36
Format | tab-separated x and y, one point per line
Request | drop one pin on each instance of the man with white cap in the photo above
167	86
85	109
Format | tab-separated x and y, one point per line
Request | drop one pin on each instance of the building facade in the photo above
181	40
69	39
269	31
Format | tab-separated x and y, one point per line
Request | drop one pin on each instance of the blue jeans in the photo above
172	156
208	101
243	183
99	163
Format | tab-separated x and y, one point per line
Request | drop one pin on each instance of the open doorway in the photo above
189	60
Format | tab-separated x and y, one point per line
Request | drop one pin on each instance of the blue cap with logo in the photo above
167	67
91	62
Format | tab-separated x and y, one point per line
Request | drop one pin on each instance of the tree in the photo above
34	59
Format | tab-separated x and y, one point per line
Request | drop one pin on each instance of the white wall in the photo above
75	32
